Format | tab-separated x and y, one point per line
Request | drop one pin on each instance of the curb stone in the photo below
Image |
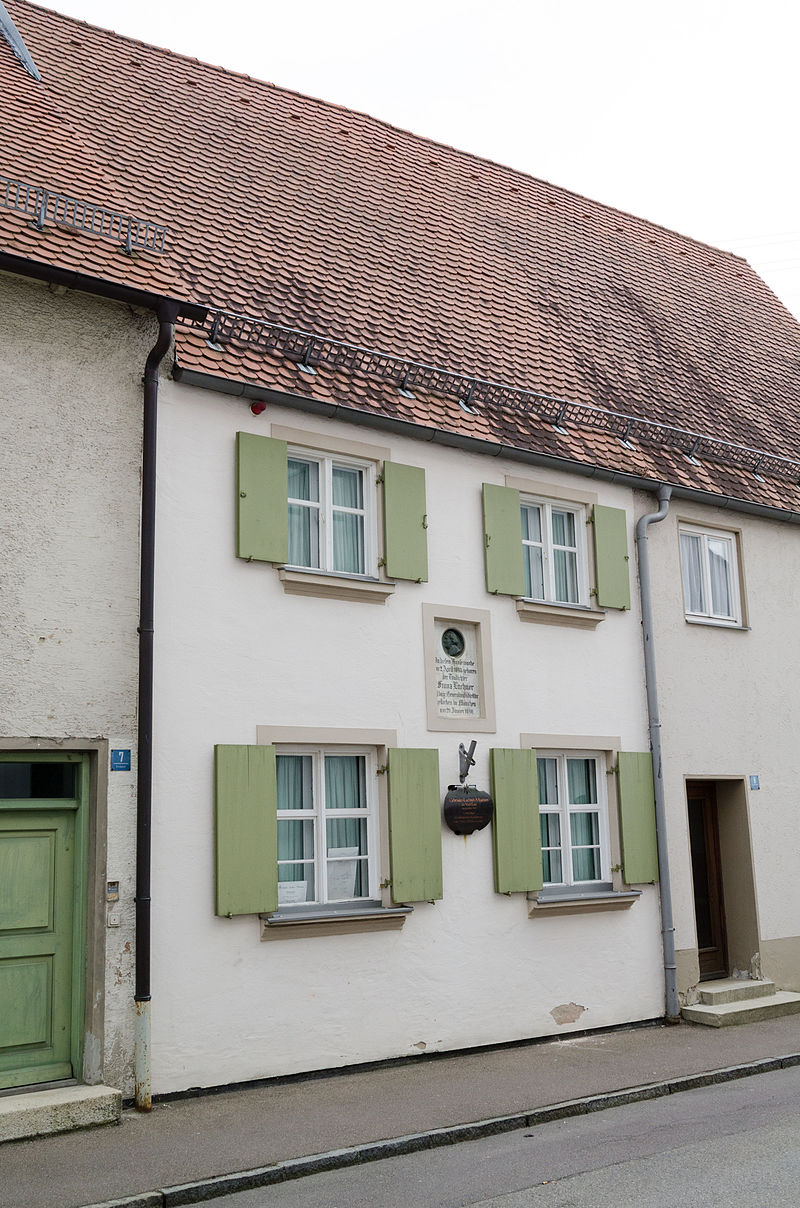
336	1159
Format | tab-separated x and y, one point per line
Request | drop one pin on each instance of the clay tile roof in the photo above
309	215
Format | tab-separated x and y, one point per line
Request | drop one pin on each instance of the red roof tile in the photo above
312	216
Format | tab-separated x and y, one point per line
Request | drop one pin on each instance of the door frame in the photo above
707	790
88	956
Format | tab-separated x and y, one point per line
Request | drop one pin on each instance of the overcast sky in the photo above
684	113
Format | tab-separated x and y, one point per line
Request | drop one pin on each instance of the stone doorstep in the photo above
734	989
59	1109
725	1014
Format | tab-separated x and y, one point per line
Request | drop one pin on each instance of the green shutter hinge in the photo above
386	884
425	521
381	562
243	494
593	591
382	769
486	540
380	478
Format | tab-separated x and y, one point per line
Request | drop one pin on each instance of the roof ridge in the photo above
424	138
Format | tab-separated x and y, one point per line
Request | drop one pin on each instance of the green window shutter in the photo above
611	557
502	539
415	825
637	817
515	830
245	805
262	513
405	522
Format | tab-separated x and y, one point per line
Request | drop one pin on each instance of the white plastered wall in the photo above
71	418
233	651
730	706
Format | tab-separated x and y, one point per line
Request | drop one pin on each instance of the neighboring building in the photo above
417	403
70	486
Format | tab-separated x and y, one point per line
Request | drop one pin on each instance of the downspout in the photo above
665	889
167	313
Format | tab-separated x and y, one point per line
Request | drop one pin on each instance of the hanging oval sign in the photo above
467	809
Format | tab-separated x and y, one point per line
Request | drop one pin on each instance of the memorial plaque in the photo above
458	686
467	809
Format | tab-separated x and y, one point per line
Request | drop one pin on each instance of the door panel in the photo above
36	944
709	907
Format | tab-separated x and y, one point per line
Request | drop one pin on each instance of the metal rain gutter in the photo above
167	313
672	1009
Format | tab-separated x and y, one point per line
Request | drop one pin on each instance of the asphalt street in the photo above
735	1143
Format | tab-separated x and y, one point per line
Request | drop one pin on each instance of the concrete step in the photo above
734	989
725	1014
56	1110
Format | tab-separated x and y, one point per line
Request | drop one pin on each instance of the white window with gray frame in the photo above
332	514
573	818
710	575
327	825
554	550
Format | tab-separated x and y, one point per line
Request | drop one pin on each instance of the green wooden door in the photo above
38	947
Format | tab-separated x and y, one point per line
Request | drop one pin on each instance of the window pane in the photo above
531	524
691	570
303	535
348	542
345	787
295	839
534	572
563	528
586	864
581	782
37	780
348	491
347	874
346	837
719	565
303	479
296	884
550	828
548	781
565	563
551	867
294	782
584	829
585	839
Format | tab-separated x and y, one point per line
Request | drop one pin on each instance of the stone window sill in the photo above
334	587
302	923
717	624
559	614
582	903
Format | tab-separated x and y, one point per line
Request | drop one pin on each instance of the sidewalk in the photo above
191	1140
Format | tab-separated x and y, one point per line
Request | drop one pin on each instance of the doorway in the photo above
709	904
43	857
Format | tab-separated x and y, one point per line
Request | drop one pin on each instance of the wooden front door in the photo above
709	907
40	942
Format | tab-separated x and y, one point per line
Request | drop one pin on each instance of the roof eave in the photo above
385	423
103	288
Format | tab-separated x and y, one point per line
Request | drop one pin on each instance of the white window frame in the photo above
547	545
565	808
320	815
707	616
326	508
